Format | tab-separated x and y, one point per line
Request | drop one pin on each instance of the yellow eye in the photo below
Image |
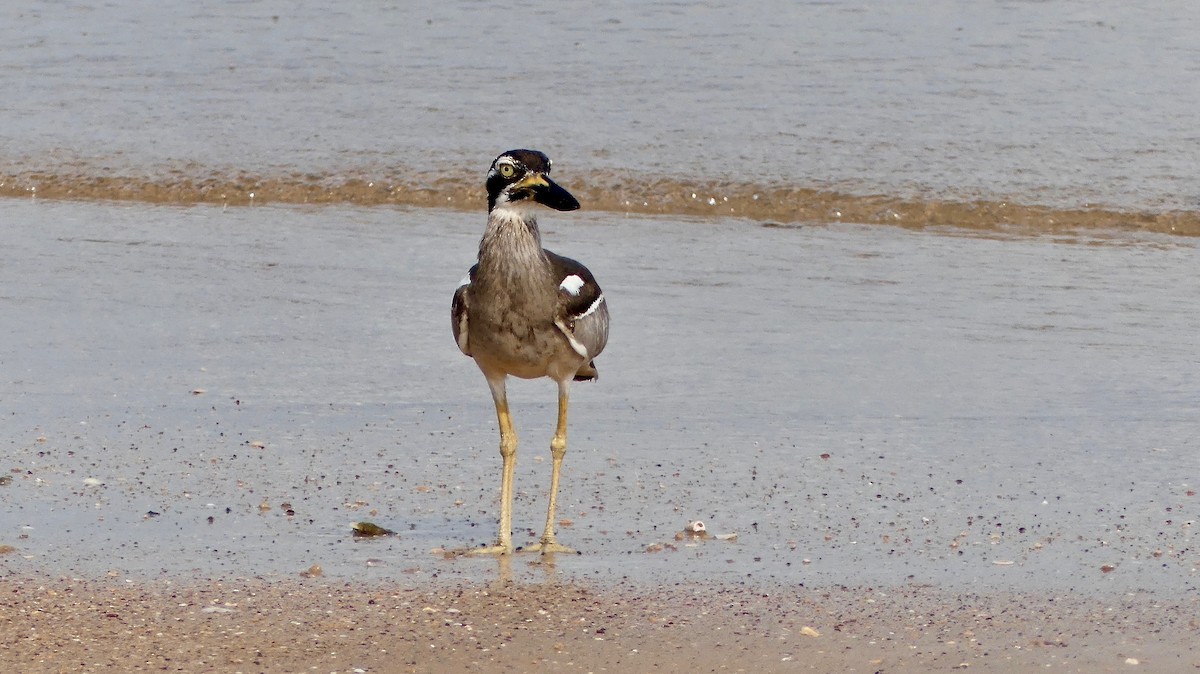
507	170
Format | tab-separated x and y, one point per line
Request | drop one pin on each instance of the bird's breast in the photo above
511	318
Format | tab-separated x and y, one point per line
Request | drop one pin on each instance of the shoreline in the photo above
626	193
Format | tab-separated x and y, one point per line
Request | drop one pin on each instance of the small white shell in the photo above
695	527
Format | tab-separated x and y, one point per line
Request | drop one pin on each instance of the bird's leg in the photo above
508	453
558	449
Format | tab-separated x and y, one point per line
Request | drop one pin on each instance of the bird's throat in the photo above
511	245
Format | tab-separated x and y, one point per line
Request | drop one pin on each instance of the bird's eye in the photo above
507	170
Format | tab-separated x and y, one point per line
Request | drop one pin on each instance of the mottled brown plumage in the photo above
527	312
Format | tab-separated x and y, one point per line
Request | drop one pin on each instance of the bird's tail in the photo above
588	372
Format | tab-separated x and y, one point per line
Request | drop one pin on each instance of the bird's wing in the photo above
458	311
583	311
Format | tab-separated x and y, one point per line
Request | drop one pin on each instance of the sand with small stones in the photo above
64	625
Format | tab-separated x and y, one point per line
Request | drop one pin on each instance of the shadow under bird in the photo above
527	312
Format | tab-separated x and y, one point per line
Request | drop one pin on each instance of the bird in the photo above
526	312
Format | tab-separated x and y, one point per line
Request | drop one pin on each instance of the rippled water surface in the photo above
1063	104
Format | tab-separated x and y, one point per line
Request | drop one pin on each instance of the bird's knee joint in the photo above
558	447
508	446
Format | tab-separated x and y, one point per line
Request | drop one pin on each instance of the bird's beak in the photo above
547	192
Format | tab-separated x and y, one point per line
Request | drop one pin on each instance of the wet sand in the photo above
71	625
623	192
936	449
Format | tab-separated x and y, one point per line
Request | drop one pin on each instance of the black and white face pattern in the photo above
521	177
509	170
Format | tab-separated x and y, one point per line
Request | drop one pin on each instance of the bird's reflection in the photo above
546	566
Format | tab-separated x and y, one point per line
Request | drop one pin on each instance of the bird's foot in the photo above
495	549
549	546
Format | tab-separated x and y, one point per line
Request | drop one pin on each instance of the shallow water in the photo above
898	111
861	405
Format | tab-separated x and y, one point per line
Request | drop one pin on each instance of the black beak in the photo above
549	193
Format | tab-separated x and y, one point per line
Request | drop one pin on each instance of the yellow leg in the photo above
508	453
558	449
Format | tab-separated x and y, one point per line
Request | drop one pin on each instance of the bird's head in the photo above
518	176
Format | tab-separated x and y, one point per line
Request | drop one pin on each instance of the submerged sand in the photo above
72	625
620	192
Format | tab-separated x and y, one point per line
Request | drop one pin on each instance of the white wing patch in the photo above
592	309
572	284
579	348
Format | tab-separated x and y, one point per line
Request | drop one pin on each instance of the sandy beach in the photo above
71	625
